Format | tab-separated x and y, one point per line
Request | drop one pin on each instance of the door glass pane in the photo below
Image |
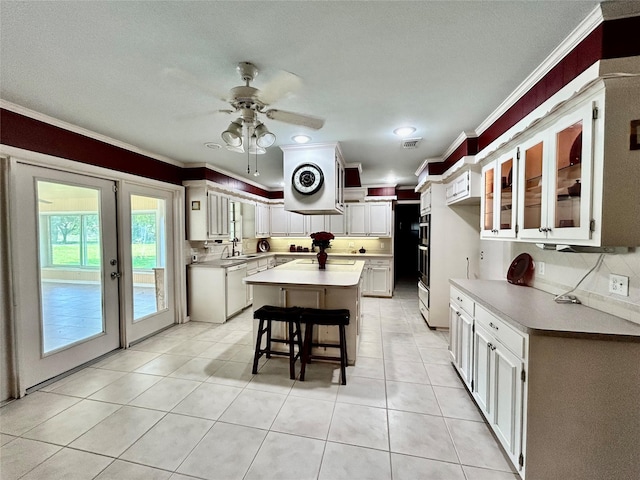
70	264
569	170
533	187
148	255
506	194
488	199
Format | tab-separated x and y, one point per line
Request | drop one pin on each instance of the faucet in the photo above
234	242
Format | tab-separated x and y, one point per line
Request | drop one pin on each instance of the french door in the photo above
67	271
149	299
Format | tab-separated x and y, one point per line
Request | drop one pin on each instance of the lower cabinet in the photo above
377	278
490	357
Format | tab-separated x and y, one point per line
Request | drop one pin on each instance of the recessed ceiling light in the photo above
301	138
404	131
213	145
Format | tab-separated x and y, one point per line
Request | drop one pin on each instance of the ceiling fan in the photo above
250	102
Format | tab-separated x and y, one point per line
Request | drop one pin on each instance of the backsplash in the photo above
563	270
338	245
213	250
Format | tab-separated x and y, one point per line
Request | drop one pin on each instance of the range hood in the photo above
314	179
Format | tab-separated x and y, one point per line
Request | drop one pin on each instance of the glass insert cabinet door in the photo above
499	195
532	159
568	164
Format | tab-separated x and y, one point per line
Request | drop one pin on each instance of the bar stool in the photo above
268	314
316	316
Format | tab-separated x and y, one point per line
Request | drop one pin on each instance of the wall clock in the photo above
307	178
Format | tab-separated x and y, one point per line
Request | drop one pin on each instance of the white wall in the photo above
563	270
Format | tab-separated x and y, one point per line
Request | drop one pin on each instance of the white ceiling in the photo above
368	67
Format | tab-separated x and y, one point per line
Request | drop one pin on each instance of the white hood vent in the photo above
411	142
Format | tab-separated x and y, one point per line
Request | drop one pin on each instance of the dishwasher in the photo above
236	289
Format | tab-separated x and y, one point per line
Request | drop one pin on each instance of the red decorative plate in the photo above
521	270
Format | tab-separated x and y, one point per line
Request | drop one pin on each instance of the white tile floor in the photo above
184	404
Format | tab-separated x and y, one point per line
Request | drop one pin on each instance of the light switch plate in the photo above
619	284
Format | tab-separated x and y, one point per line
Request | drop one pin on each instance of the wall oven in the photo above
424	265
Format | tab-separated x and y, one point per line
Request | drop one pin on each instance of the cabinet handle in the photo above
458	313
489	346
493	326
493	347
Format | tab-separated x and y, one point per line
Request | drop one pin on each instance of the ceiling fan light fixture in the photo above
301	138
404	131
264	137
232	136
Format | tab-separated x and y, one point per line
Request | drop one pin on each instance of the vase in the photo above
322	259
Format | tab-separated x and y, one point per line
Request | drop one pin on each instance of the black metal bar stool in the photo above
268	314
316	316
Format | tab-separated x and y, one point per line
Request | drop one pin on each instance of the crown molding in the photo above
594	19
458	141
426	162
230	175
84	132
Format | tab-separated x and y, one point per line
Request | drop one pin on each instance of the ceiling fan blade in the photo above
283	84
188	79
314	123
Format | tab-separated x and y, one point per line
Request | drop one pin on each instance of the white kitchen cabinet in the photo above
499	358
576	180
297	224
369	219
465	188
425	202
216	293
377	278
336	224
555	164
279	221
499	189
461	310
263	220
207	214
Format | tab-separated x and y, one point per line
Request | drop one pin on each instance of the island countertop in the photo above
339	273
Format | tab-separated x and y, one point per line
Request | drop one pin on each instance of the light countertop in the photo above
339	273
534	311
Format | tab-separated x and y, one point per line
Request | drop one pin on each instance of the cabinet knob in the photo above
493	347
457	313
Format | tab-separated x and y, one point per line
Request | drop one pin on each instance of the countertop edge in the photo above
521	325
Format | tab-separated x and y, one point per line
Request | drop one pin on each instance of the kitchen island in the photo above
301	283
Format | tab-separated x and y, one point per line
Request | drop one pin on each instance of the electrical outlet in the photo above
540	267
381	245
619	284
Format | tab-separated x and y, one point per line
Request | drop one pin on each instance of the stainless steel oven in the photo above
424	251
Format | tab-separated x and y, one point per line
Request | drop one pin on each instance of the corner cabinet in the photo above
572	175
207	214
463	189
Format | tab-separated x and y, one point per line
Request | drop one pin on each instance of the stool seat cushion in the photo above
321	316
272	312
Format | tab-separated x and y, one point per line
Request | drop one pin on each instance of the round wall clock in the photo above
307	178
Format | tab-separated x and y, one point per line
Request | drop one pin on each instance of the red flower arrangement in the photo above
322	239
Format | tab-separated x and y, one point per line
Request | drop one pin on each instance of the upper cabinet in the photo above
498	195
314	178
571	178
463	189
207	214
425	201
369	219
555	165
